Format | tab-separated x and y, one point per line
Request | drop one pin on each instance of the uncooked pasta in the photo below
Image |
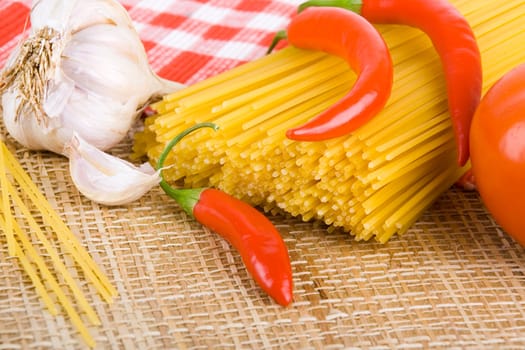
374	182
23	206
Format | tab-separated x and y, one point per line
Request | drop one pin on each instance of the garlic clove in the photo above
98	11
99	120
51	13
106	179
28	131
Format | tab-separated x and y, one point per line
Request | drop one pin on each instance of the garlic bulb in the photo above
82	73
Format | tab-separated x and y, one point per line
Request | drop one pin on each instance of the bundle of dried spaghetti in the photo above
37	236
374	182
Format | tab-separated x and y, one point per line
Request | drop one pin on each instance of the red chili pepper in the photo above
453	40
260	245
354	39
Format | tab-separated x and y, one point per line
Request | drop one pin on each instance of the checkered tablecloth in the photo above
186	40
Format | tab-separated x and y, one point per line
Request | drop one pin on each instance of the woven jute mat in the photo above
455	280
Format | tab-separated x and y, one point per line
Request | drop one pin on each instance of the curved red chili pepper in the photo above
260	245
354	39
453	40
254	236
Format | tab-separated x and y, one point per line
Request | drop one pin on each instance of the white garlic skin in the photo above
99	81
106	179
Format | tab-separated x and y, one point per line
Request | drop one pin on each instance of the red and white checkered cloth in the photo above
186	40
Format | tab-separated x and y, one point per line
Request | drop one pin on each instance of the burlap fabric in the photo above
455	280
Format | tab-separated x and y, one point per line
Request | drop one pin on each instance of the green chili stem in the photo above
280	35
186	198
178	138
352	5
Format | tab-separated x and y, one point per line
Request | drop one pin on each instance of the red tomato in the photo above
497	144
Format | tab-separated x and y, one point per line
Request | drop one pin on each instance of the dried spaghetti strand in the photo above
6	206
55	258
47	276
19	190
64	234
30	270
